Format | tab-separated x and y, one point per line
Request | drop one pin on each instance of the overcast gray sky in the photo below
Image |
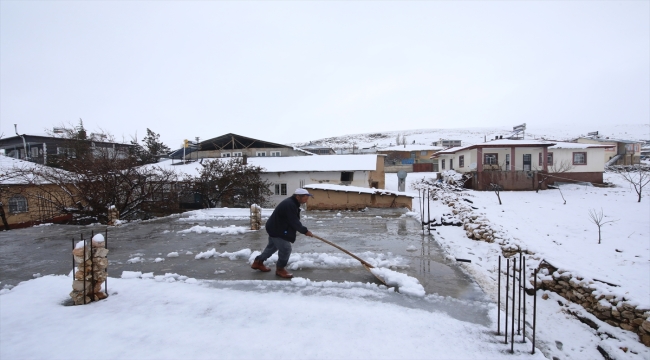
296	71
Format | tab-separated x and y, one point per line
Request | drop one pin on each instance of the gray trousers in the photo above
283	247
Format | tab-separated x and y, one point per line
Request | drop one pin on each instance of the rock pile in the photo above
612	309
90	274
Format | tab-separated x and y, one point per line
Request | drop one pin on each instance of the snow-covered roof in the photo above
291	163
498	143
9	164
570	145
357	189
599	139
414	147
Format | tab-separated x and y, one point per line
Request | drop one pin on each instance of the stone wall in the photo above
612	309
591	294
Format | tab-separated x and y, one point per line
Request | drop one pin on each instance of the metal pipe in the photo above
106	281
534	309
507	291
499	298
24	142
519	291
73	259
429	211
514	295
84	271
92	267
523	265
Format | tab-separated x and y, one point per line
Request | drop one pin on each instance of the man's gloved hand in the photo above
308	233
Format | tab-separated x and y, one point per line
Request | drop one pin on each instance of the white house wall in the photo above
595	159
295	180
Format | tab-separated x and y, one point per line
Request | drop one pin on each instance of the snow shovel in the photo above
363	262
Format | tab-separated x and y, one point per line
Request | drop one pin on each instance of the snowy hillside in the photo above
479	135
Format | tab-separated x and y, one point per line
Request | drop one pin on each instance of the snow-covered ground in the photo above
169	316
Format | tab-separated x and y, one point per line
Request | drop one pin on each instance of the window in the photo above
490	159
225	154
280	189
442	164
528	162
451	164
412	154
66	151
507	161
461	161
423	153
579	158
237	154
34	151
347	176
17	204
549	159
260	153
275	153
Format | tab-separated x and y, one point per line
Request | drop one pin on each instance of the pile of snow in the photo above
228	230
406	284
241	254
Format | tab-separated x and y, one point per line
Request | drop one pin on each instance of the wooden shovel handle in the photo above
345	251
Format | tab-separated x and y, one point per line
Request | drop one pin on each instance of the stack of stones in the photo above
256	217
612	309
91	273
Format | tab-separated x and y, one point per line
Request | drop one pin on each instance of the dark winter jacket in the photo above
285	220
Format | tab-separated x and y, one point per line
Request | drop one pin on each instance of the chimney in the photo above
245	159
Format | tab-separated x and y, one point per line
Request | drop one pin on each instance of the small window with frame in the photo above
225	154
347	176
490	159
442	164
276	153
579	158
237	154
280	189
260	153
461	161
18	204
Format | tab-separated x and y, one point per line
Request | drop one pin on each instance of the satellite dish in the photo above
472	166
401	174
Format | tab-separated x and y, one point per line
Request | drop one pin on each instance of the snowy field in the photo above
170	316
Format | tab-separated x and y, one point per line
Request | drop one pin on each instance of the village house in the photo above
41	149
24	201
523	164
285	174
233	145
618	152
410	158
318	149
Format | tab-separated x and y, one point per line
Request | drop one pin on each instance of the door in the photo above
527	162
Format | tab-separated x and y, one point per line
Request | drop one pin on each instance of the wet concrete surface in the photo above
47	250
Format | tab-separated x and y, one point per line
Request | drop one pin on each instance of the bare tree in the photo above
637	175
229	181
87	180
597	218
494	181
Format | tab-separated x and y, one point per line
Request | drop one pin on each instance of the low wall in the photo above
396	168
343	200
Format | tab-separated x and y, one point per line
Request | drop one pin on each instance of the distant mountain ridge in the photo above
470	136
